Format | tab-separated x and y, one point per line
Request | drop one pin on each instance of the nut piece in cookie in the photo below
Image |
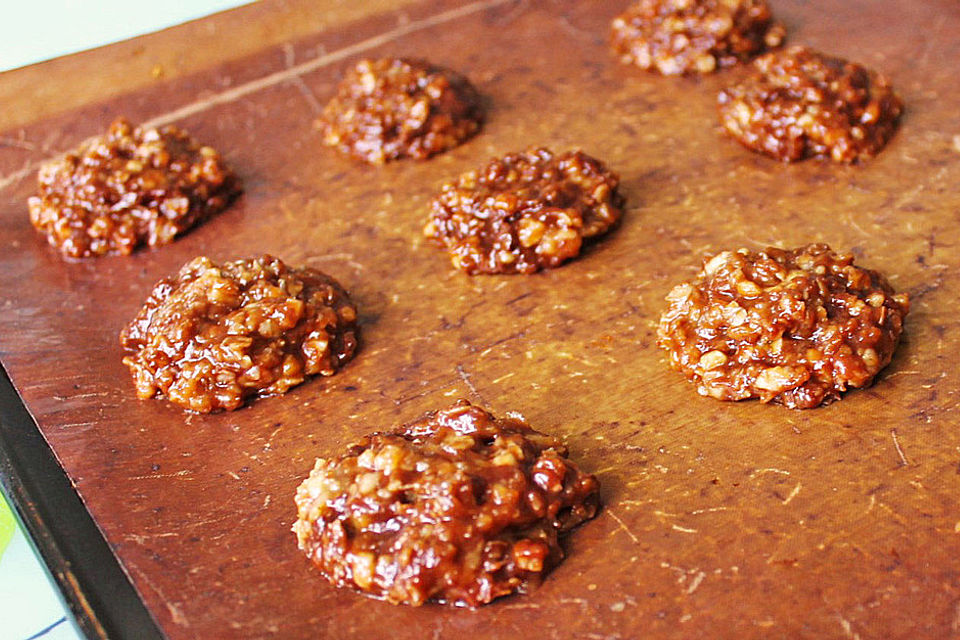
459	507
525	211
400	108
798	103
214	335
677	37
129	187
795	327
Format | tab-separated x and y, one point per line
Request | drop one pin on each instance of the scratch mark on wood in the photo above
697	579
269	444
677	527
896	443
158	476
466	380
697	512
522	605
7	141
623	526
793	494
848	628
141	539
27	169
348	258
174	608
896	516
760	472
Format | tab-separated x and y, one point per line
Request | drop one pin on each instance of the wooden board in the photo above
721	519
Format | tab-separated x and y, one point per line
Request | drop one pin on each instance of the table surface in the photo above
720	519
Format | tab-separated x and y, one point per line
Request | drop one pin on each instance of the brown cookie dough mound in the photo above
682	36
130	187
397	107
799	103
214	335
524	212
459	507
796	327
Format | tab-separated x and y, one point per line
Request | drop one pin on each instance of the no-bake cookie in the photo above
132	186
459	507
796	327
799	103
693	36
214	335
399	107
525	211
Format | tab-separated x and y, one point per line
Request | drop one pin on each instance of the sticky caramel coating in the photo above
676	37
795	327
459	507
400	108
525	211
214	335
127	188
799	103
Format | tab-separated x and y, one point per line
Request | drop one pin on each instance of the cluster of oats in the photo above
400	108
129	187
214	335
677	37
795	327
525	211
799	103
459	507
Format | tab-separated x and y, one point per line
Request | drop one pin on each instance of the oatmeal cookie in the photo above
400	108
214	335
796	327
459	507
798	103
130	187
525	212
683	36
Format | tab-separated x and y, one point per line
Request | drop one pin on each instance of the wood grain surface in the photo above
721	519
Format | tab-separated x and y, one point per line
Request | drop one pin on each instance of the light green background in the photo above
7	525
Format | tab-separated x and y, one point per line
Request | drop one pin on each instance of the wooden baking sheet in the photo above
720	519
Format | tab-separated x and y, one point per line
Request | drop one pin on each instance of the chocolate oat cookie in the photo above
214	335
524	212
799	103
683	36
399	107
459	507
130	187
795	327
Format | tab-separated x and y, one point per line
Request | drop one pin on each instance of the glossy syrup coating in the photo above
796	327
129	187
395	108
214	335
676	37
799	103
459	507
525	211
